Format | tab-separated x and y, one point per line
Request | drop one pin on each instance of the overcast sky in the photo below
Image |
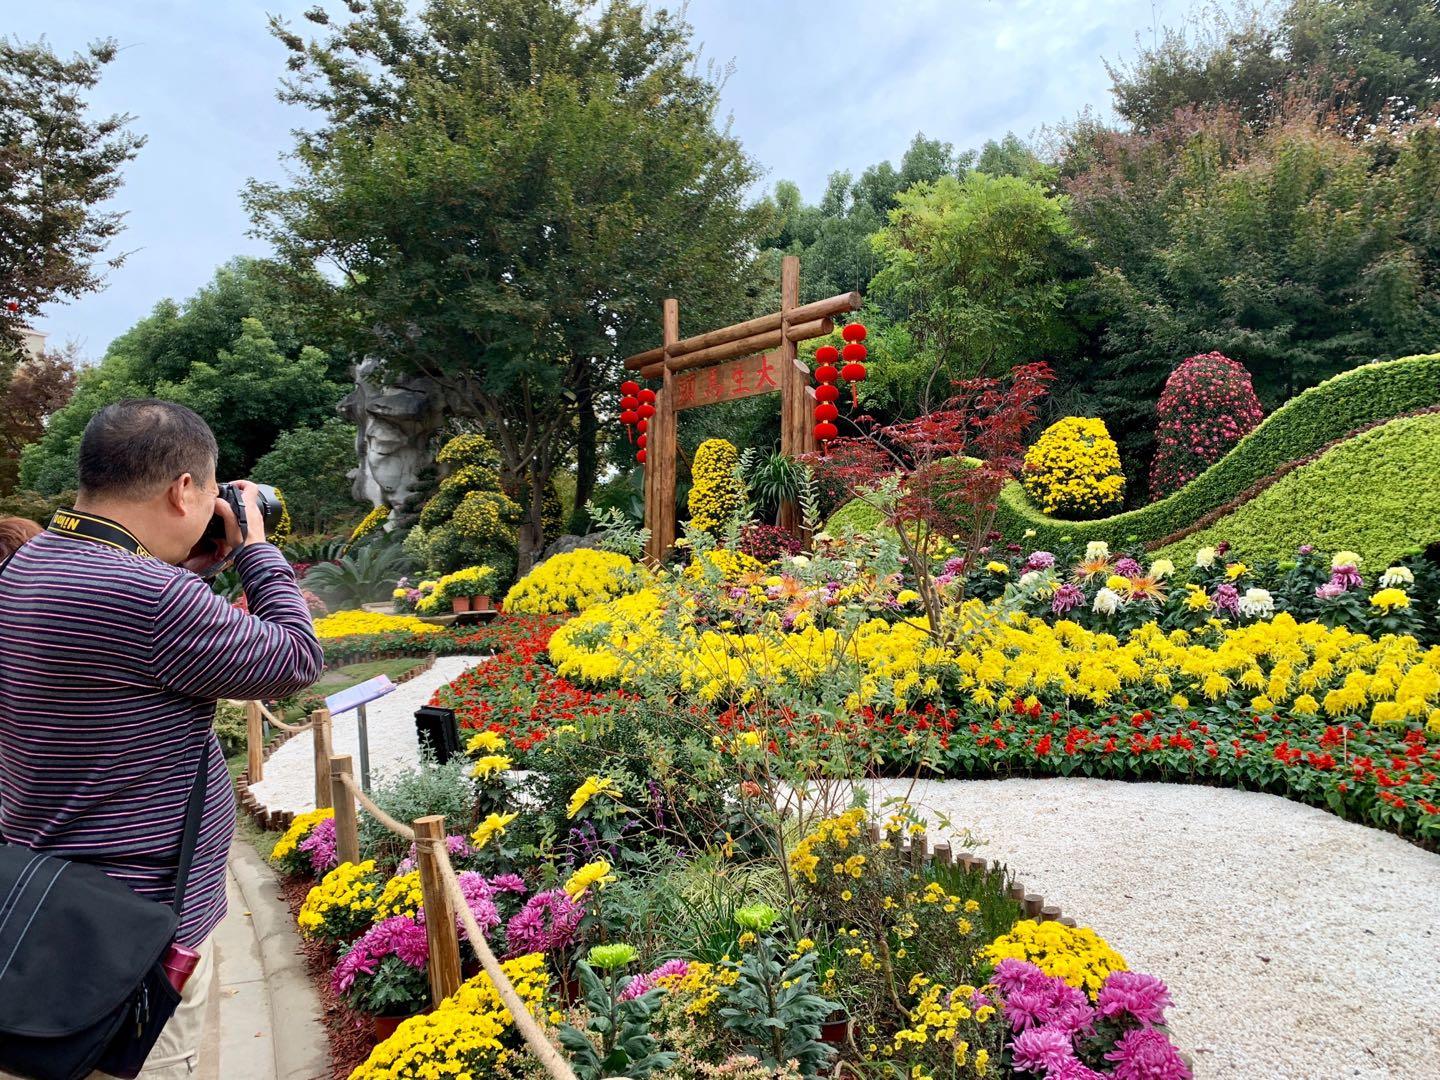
817	85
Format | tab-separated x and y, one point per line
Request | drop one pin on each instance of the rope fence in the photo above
256	717
443	898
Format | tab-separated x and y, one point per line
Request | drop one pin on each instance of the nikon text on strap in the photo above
99	530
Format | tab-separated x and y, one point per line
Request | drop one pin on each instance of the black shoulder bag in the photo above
82	978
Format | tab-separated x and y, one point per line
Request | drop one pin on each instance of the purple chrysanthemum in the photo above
643	984
320	847
1347	576
547	922
1329	591
1075	1069
399	936
1146	1054
1011	975
1041	1049
1067	598
1040	560
1227	599
954	565
1132	993
1128	567
508	883
1307	549
456	844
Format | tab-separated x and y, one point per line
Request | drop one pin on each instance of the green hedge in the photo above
1376	494
1297	429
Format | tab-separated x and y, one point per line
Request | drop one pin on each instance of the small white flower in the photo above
1162	568
1029	578
1397	576
1344	558
800	560
1257	603
1097	549
1205	558
1107	602
1029	533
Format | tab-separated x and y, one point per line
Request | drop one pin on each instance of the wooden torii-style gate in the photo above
739	361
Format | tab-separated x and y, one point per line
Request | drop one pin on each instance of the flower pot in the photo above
835	1029
459	604
569	990
384	1026
480	603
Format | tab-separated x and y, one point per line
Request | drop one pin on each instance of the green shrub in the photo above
312	467
1297	429
1375	494
37	507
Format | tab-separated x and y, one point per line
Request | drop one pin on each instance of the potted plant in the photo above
383	973
469	589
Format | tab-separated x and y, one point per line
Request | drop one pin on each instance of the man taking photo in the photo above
112	657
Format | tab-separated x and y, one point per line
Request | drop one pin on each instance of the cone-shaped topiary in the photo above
1208	405
1073	469
718	493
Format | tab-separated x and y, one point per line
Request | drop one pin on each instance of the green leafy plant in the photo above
619	531
620	1027
366	575
773	1006
429	788
773	479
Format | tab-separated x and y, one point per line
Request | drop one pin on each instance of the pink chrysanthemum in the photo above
547	922
1041	1049
1135	994
1146	1054
643	984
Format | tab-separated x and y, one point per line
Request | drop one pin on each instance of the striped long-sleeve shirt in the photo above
110	667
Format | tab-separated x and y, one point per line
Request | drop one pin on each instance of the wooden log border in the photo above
279	820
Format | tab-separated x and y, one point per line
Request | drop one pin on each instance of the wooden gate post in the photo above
444	939
347	828
796	430
254	742
320	729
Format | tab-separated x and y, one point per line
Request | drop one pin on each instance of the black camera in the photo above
271	510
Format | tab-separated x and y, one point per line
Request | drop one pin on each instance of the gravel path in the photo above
1297	946
289	782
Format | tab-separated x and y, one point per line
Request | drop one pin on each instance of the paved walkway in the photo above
266	1021
289	782
1297	946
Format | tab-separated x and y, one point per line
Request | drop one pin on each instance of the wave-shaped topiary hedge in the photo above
1300	427
1377	494
1352	400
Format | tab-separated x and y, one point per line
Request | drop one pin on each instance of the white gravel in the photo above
289	782
1297	946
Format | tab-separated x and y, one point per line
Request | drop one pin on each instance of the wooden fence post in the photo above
347	829
320	719
254	742
444	939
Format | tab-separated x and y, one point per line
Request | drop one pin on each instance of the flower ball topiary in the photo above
574	581
1208	405
1073	469
718	493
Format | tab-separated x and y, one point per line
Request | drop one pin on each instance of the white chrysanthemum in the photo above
1107	601
1097	549
1257	603
1397	576
1205	558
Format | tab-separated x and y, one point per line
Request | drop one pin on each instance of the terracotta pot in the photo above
835	1029
459	604
385	1026
480	603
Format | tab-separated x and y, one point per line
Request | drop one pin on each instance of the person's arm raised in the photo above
206	648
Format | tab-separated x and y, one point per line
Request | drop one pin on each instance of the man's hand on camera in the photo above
254	520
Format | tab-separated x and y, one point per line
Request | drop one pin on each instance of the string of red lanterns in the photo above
637	406
827	375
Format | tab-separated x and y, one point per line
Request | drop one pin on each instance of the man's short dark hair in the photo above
135	448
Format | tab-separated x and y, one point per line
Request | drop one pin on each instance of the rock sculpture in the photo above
395	433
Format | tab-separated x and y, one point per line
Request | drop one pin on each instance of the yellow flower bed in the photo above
299	829
1304	667
1073	469
343	904
1076	954
346	623
470	1033
401	896
573	581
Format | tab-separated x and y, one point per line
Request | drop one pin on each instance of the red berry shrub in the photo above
1208	405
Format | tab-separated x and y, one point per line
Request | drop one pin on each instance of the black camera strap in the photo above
97	529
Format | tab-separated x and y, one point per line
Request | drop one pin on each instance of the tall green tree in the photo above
59	164
311	467
509	188
982	270
231	352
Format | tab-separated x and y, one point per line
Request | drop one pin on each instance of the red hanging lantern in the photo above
647	396
853	373
854	332
640	442
629	388
628	403
628	417
826	411
643	426
646	411
826	373
826	354
12	306
824	432
854	352
827	392
640	456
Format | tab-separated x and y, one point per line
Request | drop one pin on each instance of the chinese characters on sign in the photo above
728	382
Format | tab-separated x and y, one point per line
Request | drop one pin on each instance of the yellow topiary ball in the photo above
574	581
1073	469
718	493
